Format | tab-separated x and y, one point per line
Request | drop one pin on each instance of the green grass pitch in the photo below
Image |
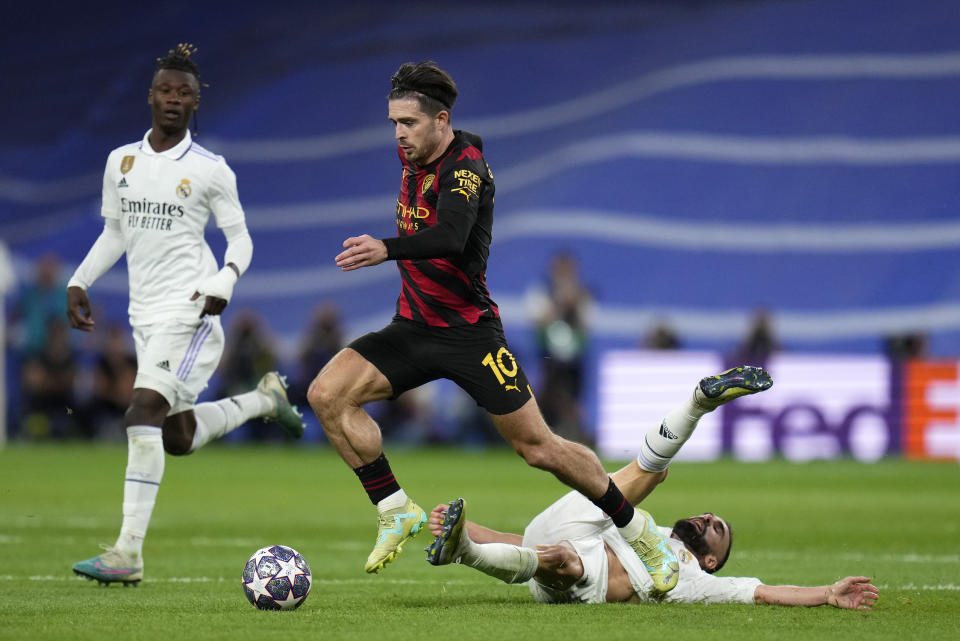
897	522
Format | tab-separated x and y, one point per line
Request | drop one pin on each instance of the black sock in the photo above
377	479
614	503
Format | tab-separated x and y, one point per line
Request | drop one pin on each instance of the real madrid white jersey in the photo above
573	517
694	584
163	201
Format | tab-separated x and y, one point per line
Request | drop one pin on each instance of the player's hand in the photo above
361	251
78	309
852	593
212	306
436	519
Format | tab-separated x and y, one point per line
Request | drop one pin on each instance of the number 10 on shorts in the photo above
499	369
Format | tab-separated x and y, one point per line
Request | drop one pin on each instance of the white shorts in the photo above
579	522
177	359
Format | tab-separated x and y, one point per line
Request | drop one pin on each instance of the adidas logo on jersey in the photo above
164	365
123	182
665	433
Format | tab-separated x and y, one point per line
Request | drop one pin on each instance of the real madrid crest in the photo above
126	164
184	189
427	182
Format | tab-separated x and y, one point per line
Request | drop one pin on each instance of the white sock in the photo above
509	563
223	416
392	502
145	460
661	443
632	530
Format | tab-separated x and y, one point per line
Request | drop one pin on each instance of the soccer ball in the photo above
276	577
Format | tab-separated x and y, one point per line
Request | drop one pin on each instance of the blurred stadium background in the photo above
772	181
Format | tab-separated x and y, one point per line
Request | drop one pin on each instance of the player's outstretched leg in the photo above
394	527
288	416
505	561
446	547
267	401
714	391
662	442
113	566
654	551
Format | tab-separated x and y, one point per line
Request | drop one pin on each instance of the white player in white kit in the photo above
571	553
158	194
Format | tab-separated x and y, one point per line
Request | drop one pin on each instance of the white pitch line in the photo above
859	557
202	541
197	541
209	579
939	587
70	522
925	587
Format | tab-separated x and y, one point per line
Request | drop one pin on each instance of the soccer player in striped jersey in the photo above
448	326
158	194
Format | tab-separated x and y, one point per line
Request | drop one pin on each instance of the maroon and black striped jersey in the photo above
444	228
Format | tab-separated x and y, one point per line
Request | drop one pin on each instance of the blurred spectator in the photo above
41	301
321	341
47	382
47	362
7	280
759	343
114	373
247	356
561	309
408	419
414	418
661	336
437	413
470	424
905	347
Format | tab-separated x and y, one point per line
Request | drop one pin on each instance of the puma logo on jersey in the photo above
465	194
508	387
123	182
665	433
164	365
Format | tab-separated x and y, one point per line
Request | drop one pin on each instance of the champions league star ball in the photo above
276	578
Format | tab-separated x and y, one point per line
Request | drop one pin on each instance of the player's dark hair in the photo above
430	85
180	58
722	562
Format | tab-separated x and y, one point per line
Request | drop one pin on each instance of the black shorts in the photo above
475	357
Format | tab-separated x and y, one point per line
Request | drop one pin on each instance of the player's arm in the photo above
106	250
850	593
219	288
224	202
441	240
456	215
